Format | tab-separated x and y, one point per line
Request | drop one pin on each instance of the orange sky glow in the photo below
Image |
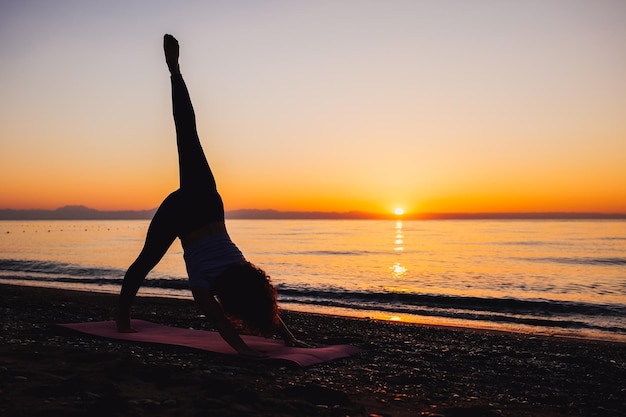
319	106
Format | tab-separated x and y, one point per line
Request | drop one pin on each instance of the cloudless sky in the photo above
435	106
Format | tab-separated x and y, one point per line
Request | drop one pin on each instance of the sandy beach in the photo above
403	369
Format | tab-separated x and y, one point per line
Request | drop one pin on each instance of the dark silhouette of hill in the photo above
85	213
75	213
310	215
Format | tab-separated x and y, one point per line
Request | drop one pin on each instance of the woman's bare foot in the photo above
122	320
170	46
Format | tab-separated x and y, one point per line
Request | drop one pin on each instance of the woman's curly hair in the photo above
248	298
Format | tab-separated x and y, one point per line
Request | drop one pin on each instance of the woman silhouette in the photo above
228	289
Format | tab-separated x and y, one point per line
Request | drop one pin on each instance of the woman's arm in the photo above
212	309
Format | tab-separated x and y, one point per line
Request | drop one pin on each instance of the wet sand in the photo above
403	369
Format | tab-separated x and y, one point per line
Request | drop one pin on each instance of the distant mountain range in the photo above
85	213
75	213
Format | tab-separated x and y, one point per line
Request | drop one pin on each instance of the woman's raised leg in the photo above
193	166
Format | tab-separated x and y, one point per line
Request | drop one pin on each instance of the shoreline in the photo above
478	326
384	316
404	369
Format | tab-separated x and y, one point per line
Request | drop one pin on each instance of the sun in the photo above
398	211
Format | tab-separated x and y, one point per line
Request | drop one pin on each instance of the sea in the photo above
546	277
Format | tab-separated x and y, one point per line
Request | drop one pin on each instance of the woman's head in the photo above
248	297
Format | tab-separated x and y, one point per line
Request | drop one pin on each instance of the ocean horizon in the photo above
81	212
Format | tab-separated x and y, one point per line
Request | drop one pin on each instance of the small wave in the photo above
56	268
171	284
334	253
47	271
524	243
581	261
337	252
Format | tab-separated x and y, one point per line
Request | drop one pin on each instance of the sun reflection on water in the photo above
399	237
397	269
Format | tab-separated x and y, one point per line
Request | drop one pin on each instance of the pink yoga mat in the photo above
212	341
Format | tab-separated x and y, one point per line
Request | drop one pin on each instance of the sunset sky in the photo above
431	106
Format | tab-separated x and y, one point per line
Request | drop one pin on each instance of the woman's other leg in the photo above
161	233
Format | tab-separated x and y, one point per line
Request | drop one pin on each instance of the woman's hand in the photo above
289	338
